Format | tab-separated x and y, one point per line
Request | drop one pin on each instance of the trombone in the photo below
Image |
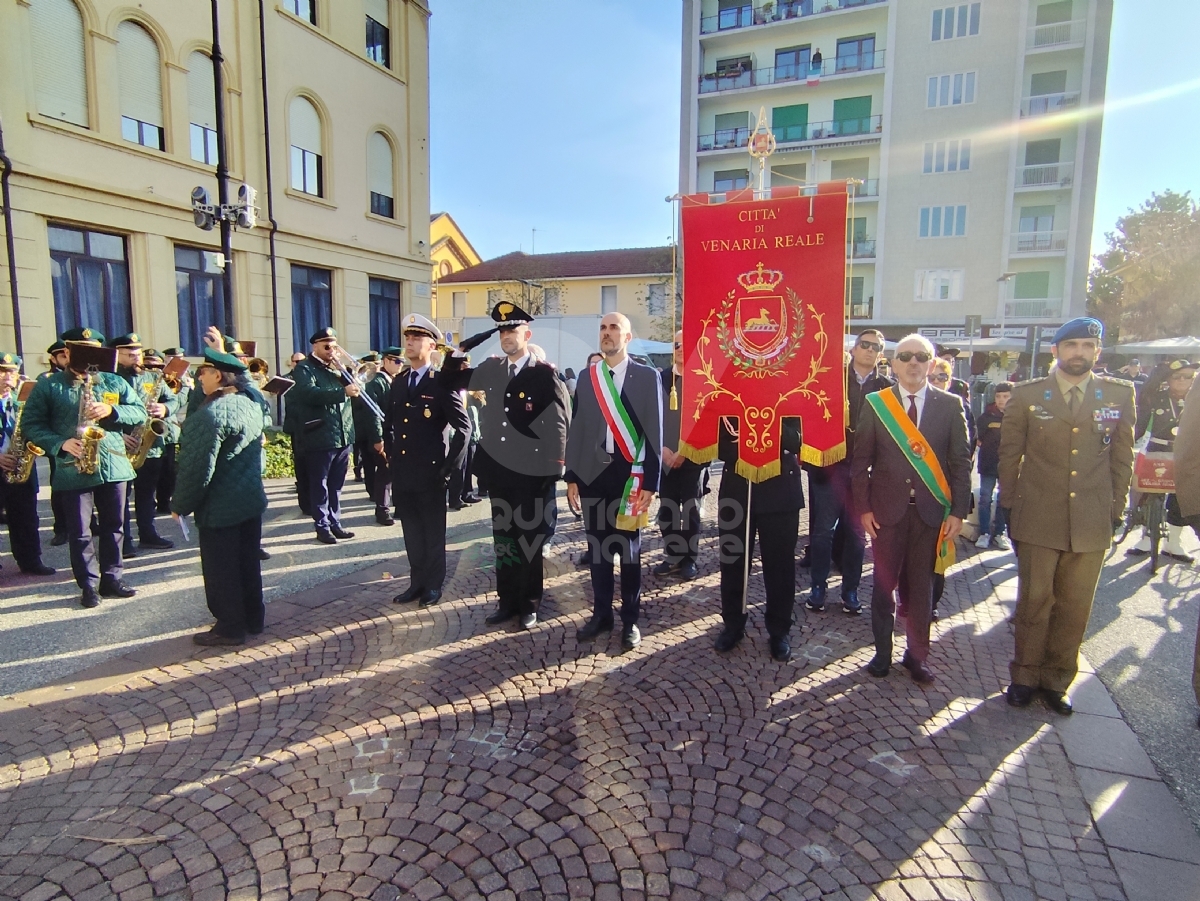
345	364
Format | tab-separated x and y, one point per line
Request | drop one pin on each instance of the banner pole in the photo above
746	550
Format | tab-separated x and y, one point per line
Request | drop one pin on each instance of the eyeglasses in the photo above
922	356
868	345
1187	374
678	346
940	377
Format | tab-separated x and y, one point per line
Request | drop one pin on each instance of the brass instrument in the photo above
151	430
26	452
345	364
86	430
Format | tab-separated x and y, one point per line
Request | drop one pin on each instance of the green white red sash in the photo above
627	441
916	449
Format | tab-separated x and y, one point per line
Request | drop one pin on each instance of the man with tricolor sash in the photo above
911	477
613	453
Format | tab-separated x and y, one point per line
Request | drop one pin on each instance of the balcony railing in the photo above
1049	104
713	83
733	138
1049	175
1039	242
1058	34
863	309
746	15
1037	308
450	324
861	250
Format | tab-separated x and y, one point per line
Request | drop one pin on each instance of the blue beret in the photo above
1082	327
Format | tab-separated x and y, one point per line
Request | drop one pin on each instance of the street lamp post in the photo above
222	166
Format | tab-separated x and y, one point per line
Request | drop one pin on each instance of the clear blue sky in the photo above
563	116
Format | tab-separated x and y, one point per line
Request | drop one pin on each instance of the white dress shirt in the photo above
904	393
618	377
520	364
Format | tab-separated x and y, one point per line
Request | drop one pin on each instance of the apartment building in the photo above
109	121
973	129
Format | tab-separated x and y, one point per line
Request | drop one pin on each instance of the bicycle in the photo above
1149	511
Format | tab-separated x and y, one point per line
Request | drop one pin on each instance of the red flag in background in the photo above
763	319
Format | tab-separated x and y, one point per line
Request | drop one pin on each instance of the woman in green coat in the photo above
219	479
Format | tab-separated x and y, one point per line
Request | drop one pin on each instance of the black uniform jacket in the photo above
779	494
414	431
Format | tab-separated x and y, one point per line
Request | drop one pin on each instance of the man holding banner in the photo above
911	476
613	449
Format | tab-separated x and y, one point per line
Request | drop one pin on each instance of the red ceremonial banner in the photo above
764	285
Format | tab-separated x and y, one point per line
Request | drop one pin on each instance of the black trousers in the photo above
300	467
56	504
107	501
521	523
468	484
233	577
904	558
376	476
776	534
422	517
19	502
600	502
326	476
166	479
143	501
679	494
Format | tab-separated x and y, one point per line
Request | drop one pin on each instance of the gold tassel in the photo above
674	397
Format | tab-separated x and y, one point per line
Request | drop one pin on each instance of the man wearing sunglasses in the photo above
911	476
829	495
1066	458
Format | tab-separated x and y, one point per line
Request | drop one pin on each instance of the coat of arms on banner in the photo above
759	327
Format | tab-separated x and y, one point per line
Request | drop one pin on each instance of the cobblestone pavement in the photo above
365	750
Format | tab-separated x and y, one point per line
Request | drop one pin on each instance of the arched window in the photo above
202	108
140	81
304	125
58	60
379	175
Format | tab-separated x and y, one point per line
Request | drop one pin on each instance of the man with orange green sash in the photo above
911	477
613	451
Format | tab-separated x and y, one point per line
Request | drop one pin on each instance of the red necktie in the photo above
912	408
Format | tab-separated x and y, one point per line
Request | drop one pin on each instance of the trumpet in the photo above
345	364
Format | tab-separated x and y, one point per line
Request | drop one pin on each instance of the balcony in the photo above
1036	308
714	83
1045	177
746	15
1056	35
862	309
1049	104
1048	243
448	324
863	249
734	138
868	188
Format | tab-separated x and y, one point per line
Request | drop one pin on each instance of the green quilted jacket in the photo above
51	416
219	469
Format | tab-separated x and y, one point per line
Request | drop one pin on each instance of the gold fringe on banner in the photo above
699	455
756	474
835	454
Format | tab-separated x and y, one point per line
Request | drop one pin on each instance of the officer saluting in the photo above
54	416
524	440
418	411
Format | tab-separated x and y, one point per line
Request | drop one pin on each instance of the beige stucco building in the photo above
108	111
974	128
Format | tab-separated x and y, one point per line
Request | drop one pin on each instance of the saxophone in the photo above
86	430
152	429
26	453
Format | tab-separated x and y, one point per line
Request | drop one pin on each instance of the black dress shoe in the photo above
455	506
155	543
263	554
919	671
879	666
496	617
383	517
1058	701
471	499
59	539
128	552
728	640
430	596
1018	695
115	589
409	595
339	533
688	571
89	599
529	620
631	637
781	649
593	627
325	537
38	569
664	569
213	639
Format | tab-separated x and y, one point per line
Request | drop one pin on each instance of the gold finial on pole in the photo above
761	145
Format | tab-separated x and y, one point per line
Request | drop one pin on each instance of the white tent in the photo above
1167	347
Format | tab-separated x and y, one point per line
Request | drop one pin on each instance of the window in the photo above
956	21
1036	219
1042	84
854	298
608	299
656	300
795	175
312	304
792	63
790	123
734	14
852	116
305	9
951	90
947	156
856	54
379	41
552	301
59	62
1043	153
935	285
732	130
458	304
943	222
384	312
200	296
140	83
1031	286
306	163
202	108
380	170
495	295
1054	13
90	277
730	180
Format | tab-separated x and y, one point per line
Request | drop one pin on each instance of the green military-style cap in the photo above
393	351
322	334
222	361
83	336
9	361
372	357
174	352
56	347
129	341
